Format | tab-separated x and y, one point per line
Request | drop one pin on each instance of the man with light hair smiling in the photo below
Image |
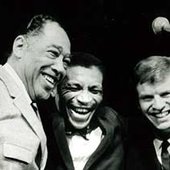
152	81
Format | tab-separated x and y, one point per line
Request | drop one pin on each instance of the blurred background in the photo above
117	31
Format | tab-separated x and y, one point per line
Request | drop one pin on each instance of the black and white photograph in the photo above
85	85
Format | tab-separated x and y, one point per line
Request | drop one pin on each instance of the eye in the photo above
96	91
72	88
165	95
146	98
54	54
66	61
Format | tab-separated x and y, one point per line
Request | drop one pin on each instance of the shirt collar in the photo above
157	143
158	148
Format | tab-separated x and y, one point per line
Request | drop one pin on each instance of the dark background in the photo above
117	31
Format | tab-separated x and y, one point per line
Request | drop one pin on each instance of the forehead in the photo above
56	35
83	74
157	87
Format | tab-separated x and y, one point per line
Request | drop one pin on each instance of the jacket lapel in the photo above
29	115
101	148
59	132
32	119
150	156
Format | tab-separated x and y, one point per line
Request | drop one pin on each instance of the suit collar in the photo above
60	137
59	132
9	82
22	102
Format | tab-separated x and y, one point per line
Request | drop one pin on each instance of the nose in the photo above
84	98
58	68
158	103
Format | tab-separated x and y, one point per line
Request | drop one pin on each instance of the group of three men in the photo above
87	134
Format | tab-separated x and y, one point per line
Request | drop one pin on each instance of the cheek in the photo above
98	99
68	96
144	106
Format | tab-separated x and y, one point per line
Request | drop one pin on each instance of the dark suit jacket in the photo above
140	153
108	156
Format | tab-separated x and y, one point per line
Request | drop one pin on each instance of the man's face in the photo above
154	100
45	60
81	93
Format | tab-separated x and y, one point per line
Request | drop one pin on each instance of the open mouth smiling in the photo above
160	114
51	80
80	110
79	114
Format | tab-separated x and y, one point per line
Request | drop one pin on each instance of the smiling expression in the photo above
44	61
154	100
81	92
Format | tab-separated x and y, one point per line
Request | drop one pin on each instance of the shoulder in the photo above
3	90
109	114
111	121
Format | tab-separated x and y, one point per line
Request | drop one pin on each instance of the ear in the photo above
19	45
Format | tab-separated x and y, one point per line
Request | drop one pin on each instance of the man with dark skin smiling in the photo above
87	134
152	80
37	63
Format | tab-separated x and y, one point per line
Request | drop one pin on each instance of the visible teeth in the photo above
50	79
160	115
81	110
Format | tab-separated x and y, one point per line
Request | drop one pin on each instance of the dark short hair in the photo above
36	24
152	69
86	60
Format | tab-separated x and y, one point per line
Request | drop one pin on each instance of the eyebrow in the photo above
60	48
145	95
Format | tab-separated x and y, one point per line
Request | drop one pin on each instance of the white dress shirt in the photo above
81	149
158	148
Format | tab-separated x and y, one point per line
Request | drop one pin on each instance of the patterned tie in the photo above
165	155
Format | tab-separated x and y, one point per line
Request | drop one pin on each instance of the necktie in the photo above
34	106
38	156
71	131
81	132
165	156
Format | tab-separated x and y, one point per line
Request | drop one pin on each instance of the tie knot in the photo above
165	144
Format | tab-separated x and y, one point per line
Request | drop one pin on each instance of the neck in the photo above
162	134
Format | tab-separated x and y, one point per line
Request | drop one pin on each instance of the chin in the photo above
43	96
79	125
164	128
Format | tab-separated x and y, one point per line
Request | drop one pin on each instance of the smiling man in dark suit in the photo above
87	135
151	150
